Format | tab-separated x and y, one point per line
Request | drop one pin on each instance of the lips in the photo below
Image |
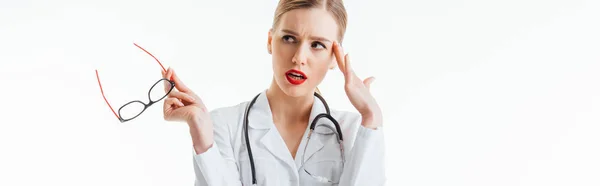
295	77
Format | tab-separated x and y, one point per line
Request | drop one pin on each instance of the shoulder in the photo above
346	117
349	122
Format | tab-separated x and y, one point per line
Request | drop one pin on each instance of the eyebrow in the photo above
312	37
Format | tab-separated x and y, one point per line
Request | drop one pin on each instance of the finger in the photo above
165	83
168	76
338	51
182	96
170	102
368	82
167	86
170	108
179	84
348	67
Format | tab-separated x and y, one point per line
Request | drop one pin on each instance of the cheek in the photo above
281	56
320	66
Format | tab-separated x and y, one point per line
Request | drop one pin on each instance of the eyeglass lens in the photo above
155	94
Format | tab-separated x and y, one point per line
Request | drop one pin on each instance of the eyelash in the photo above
286	37
319	43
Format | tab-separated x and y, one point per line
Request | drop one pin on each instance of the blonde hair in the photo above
335	7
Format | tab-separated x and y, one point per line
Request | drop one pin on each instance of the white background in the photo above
474	92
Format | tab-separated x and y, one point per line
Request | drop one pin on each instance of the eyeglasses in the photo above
135	108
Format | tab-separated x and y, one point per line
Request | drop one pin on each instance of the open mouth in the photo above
295	77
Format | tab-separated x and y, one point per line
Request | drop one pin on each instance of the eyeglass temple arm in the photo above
152	56
102	91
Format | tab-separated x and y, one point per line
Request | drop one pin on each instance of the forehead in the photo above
310	22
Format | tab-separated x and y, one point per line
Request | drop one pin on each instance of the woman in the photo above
304	44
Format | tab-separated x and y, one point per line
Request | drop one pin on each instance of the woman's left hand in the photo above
358	91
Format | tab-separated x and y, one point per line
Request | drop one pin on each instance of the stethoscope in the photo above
312	127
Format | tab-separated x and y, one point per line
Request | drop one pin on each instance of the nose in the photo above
301	55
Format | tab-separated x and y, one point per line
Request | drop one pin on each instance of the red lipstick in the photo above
295	77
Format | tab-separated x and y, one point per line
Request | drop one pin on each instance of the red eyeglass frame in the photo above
102	91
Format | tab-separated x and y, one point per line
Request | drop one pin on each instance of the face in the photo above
301	48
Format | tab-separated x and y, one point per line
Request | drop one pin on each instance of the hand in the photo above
182	104
357	91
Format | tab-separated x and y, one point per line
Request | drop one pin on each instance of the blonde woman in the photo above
287	135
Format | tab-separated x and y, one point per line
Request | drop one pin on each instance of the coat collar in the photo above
260	111
260	117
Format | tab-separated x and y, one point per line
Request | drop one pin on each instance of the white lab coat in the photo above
226	163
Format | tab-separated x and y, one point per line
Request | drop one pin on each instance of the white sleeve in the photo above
365	162
217	166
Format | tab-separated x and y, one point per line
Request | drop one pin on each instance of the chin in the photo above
294	90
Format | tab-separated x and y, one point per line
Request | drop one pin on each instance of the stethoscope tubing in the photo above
312	127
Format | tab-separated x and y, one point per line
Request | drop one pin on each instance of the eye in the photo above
288	39
317	45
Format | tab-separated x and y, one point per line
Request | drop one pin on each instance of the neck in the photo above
287	109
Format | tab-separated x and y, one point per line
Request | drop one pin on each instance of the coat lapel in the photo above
315	144
271	140
261	121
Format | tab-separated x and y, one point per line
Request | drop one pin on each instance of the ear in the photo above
269	40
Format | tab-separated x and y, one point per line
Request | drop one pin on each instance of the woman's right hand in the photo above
182	104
